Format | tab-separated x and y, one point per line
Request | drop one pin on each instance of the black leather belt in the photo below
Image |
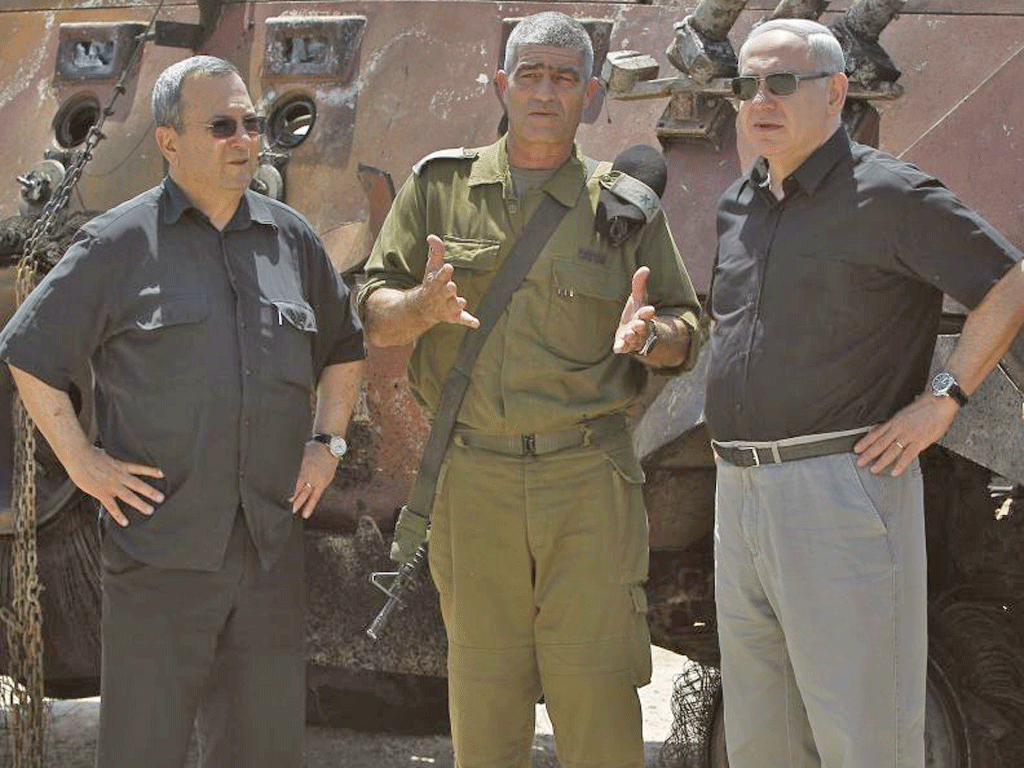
539	443
755	456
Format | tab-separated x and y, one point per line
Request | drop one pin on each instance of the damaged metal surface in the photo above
714	18
96	51
799	9
313	47
342	601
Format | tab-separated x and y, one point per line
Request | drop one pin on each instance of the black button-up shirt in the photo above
826	303
205	347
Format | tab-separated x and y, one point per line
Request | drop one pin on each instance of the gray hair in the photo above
550	28
824	48
167	89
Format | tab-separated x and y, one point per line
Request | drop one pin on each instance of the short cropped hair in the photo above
825	50
550	28
167	89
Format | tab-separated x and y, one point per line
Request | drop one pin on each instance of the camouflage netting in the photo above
695	698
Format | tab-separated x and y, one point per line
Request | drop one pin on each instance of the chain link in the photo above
23	620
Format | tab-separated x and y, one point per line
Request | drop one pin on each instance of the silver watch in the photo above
650	341
335	443
945	385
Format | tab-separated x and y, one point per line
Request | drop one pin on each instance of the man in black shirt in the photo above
827	292
207	313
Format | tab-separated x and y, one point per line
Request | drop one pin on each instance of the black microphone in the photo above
619	211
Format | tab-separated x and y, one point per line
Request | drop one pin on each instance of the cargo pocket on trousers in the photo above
640	638
630	534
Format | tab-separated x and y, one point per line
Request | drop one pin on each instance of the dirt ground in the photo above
71	738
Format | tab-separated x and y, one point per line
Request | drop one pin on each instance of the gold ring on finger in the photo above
901	445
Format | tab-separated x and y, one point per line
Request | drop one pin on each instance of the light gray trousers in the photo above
820	582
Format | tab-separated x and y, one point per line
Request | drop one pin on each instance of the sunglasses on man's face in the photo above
746	87
226	127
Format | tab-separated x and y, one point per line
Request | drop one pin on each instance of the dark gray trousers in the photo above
221	649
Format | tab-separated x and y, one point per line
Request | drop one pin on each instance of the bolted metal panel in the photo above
95	51
312	47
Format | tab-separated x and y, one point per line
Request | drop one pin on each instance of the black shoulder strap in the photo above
524	253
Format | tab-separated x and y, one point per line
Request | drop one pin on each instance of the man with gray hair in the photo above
208	313
832	263
538	536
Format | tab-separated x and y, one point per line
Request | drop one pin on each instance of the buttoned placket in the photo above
774	213
247	368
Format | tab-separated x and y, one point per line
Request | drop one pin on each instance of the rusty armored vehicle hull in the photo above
356	92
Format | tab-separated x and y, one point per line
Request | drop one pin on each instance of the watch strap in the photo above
958	394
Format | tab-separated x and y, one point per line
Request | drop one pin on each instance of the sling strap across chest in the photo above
510	275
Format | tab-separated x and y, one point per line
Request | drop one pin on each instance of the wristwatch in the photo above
335	443
945	385
651	341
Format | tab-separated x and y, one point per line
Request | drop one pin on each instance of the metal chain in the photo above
23	620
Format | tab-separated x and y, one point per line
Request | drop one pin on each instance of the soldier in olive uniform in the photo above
538	542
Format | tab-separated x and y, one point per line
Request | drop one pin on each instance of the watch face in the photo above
338	446
942	383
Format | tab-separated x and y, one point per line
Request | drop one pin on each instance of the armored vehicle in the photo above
356	92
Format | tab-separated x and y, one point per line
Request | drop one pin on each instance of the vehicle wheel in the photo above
69	570
947	730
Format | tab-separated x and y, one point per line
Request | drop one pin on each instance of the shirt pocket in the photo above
584	307
474	262
293	327
169	330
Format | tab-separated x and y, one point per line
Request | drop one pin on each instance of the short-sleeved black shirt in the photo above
826	303
205	347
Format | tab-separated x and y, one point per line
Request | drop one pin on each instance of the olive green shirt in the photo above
548	363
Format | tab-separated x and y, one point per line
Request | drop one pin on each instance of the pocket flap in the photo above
463	253
572	277
295	313
639	596
626	463
163	311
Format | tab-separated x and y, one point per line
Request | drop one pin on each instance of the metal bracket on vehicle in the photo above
321	47
96	51
178	34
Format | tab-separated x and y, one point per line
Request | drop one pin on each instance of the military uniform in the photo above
538	542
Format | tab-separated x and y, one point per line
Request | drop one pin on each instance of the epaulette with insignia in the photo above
458	153
632	191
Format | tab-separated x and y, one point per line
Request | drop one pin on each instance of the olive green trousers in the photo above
539	562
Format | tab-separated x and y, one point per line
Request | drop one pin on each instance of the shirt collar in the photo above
814	169
252	208
491	167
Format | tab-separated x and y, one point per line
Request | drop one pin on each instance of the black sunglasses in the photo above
745	87
226	127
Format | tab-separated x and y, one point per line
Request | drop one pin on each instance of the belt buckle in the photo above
530	444
753	452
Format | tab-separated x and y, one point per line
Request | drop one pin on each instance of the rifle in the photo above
402	582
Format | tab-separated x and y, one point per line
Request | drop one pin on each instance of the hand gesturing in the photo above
439	300
632	331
